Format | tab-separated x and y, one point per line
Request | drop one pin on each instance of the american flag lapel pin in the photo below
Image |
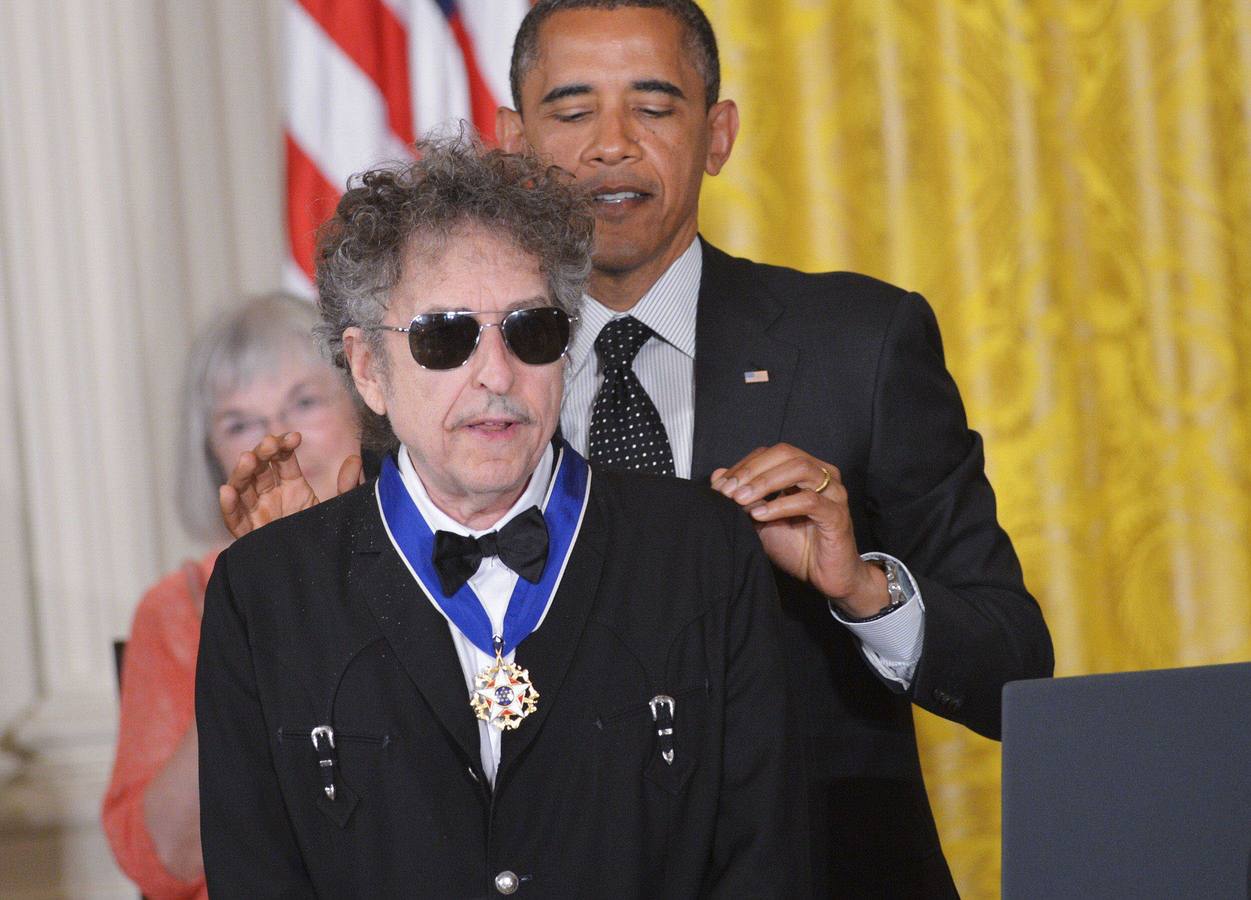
756	376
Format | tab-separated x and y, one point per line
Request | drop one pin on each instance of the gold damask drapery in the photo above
1069	183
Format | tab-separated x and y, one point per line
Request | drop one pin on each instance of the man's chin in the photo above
494	454
502	483
493	469
618	256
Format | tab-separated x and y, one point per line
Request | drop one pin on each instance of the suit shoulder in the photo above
851	284
331	522
842	293
821	293
674	503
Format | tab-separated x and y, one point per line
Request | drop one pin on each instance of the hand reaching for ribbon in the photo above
267	484
799	506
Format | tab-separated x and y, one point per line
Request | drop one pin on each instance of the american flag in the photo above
365	78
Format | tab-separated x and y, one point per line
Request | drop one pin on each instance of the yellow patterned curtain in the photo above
1069	183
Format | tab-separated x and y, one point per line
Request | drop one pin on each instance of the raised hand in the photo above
799	505
267	484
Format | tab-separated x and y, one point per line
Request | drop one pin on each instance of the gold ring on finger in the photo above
825	482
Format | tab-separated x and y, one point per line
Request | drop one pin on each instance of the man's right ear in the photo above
366	369
509	131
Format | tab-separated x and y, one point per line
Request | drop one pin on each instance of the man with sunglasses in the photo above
482	673
821	403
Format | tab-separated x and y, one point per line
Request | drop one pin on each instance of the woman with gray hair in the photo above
254	372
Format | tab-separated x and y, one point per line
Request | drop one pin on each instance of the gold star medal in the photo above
503	694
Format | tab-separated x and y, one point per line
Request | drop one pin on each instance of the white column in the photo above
72	361
140	192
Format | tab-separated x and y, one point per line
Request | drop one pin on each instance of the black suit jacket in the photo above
315	620
857	378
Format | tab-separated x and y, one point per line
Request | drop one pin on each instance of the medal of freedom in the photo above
503	694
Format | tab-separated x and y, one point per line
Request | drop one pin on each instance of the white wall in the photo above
140	191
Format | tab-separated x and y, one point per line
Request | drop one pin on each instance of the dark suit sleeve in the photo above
760	848
249	848
932	507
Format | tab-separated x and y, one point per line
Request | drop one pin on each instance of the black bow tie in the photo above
521	545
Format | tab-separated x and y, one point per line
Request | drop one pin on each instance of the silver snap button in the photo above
506	882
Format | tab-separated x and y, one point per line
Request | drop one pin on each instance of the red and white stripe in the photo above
365	77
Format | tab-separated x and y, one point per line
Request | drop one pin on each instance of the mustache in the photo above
499	405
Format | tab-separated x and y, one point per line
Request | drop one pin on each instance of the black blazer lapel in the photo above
414	628
732	415
548	652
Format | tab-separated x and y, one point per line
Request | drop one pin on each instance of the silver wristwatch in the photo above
894	589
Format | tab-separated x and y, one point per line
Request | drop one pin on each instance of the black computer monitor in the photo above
1133	785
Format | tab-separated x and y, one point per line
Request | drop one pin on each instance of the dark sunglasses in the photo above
446	340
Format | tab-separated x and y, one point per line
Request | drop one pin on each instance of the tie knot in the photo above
620	340
489	544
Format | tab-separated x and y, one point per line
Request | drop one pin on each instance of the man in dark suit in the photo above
628	682
820	402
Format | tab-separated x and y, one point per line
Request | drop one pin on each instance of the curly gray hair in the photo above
363	249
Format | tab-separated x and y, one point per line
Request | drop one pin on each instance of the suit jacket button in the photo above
506	882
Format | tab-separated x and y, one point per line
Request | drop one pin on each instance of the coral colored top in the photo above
158	706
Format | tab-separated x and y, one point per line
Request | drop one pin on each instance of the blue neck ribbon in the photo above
562	511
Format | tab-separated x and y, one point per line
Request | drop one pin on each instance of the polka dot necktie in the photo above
626	430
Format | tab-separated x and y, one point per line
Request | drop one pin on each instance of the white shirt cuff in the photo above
892	644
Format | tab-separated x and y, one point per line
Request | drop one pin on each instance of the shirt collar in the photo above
534	495
668	308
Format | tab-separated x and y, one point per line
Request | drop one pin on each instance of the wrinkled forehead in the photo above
470	266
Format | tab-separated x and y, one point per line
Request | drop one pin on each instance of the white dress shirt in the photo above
493	583
666	369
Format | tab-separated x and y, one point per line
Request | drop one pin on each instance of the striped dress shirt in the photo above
666	369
